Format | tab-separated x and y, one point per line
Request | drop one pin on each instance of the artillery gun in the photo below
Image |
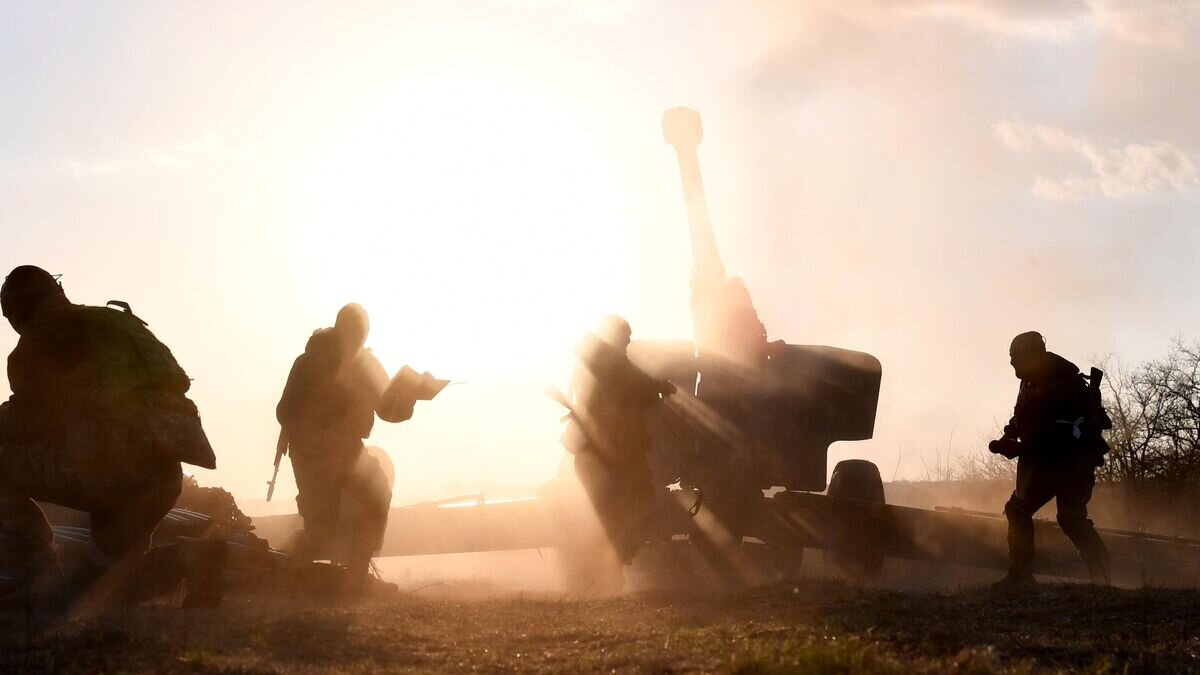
769	409
754	414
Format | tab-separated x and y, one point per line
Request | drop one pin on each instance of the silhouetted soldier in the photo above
1056	436
333	392
609	436
98	421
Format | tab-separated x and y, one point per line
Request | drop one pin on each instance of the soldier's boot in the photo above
1092	550
1020	572
355	578
1095	555
1020	547
369	525
1100	570
1016	578
362	580
29	568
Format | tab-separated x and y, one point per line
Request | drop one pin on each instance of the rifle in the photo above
1097	399
584	424
281	447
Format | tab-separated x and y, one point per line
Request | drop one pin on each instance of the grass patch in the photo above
812	626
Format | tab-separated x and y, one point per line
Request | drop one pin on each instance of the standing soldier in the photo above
1055	434
98	421
609	437
333	392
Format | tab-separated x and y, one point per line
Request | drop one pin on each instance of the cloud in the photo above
129	159
1029	20
1162	23
1114	171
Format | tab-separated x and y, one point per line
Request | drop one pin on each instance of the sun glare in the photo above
473	218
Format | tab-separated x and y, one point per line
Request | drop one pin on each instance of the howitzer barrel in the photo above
683	131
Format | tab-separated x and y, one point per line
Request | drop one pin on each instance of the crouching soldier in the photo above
98	421
1055	436
333	393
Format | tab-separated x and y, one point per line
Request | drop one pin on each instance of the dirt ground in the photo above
819	626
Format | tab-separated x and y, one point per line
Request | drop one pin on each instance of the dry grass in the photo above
814	626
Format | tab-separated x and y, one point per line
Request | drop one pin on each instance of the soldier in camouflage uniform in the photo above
333	393
98	421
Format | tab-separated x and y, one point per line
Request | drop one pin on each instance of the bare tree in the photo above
980	464
1135	406
1155	409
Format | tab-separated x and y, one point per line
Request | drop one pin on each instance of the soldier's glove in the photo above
1006	447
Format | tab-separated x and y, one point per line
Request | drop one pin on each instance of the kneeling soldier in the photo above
98	421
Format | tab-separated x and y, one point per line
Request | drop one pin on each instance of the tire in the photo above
857	479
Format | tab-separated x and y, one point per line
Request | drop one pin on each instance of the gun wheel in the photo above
857	479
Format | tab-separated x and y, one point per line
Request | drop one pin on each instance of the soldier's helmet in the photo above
615	330
1028	343
353	324
26	290
1027	354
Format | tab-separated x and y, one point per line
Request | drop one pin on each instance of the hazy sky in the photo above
917	179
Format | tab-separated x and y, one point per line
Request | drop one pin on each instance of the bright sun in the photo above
474	219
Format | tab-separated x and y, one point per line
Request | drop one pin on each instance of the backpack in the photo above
1097	415
175	429
160	371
